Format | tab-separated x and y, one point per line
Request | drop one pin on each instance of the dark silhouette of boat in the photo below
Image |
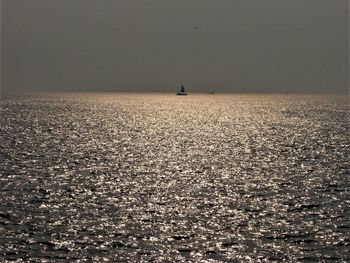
182	91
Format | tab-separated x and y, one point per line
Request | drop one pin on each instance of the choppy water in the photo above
156	177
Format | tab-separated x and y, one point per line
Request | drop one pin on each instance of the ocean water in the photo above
164	178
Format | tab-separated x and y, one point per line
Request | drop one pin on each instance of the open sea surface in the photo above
126	177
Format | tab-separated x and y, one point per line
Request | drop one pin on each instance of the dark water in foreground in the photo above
204	178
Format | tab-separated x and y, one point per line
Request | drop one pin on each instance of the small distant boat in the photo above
210	92
182	91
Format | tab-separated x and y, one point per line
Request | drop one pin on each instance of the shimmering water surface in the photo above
164	178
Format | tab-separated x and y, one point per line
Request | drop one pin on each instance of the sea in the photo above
155	177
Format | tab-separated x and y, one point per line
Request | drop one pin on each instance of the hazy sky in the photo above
155	45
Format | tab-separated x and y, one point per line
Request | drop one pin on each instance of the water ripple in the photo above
155	177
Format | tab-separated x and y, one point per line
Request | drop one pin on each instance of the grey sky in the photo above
155	45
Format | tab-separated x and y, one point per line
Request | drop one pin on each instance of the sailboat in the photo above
182	91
